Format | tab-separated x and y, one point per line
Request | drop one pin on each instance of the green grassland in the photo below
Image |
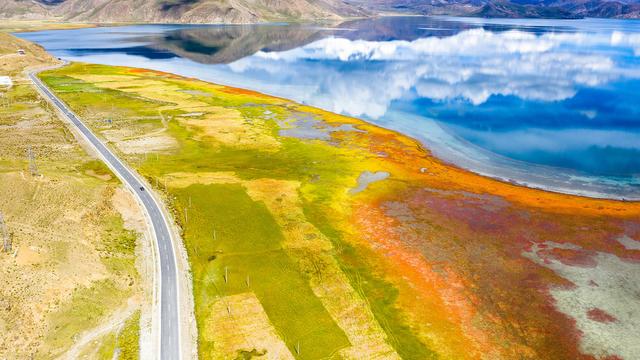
236	243
247	250
124	342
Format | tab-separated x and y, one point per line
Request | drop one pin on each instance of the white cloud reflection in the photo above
629	40
379	79
553	141
360	77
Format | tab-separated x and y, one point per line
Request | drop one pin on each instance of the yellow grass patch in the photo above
185	179
8	25
104	177
228	127
348	309
118	80
222	125
238	323
281	198
157	90
28	255
54	252
156	141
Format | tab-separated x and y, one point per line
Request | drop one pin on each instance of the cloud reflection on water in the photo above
500	99
363	77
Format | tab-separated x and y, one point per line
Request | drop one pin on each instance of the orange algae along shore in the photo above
494	270
378	248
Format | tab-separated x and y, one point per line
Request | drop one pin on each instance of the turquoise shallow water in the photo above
546	103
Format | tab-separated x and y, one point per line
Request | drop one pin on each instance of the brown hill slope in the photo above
178	11
563	9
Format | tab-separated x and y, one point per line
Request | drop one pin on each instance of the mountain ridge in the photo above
255	11
179	11
563	9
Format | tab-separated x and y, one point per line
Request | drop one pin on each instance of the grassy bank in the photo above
294	257
11	26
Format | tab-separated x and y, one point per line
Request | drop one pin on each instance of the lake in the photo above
553	104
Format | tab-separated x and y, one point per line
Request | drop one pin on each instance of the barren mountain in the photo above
178	11
510	8
253	11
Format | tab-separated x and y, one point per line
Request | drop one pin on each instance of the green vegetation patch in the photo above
123	344
86	309
234	246
107	347
128	342
248	355
17	104
118	247
97	168
97	104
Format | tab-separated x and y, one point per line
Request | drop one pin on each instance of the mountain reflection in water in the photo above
223	44
546	103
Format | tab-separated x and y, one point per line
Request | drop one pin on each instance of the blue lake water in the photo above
553	104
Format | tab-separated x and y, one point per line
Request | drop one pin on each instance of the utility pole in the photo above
33	168
6	240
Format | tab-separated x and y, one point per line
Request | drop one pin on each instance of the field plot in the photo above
70	264
313	235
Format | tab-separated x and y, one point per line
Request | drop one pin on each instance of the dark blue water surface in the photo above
546	103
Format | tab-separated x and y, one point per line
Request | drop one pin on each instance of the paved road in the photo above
169	311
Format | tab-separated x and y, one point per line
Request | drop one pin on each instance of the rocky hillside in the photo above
511	8
252	11
178	11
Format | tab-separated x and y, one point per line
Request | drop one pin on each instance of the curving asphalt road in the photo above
169	310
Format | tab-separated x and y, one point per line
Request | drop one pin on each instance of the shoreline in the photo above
450	150
539	186
431	153
26	26
425	147
544	175
428	149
